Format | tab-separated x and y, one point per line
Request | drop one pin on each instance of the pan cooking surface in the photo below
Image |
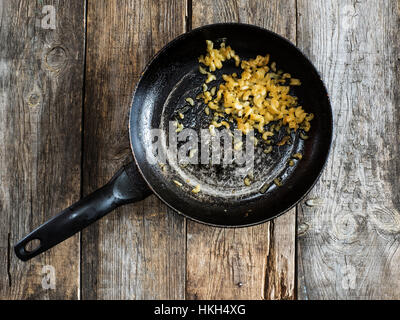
224	199
218	180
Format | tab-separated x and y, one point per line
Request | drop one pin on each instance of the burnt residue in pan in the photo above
222	180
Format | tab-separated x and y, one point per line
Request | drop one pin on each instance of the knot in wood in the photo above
56	58
347	227
33	99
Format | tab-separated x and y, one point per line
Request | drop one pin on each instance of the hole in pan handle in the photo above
126	186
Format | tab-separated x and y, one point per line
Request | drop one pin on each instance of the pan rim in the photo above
331	123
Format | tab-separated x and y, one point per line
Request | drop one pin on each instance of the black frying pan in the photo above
170	77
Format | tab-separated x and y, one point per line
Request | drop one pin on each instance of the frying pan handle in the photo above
126	186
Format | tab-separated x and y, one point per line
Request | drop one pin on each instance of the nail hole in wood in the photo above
33	99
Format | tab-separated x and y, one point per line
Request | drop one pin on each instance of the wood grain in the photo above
249	263
348	226
349	231
40	132
136	252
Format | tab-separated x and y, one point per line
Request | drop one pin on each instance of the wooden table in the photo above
64	101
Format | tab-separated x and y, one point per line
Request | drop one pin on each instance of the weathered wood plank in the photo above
348	238
137	252
40	131
249	263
